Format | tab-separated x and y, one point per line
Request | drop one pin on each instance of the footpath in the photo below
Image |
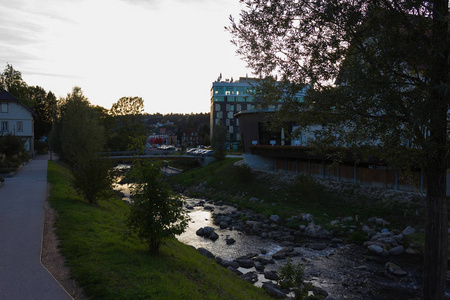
22	198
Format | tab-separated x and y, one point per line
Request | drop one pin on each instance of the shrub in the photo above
291	277
92	177
11	145
155	213
244	173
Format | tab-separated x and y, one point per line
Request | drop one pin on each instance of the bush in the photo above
291	277
155	213
244	173
11	145
92	177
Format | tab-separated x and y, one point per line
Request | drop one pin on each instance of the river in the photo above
345	271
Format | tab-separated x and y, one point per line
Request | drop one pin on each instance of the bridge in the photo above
127	156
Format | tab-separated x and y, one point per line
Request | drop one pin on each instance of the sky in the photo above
166	51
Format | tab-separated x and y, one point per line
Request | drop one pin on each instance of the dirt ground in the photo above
53	261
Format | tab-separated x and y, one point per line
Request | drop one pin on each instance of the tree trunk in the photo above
435	159
435	258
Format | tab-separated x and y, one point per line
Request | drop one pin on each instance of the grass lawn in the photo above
110	264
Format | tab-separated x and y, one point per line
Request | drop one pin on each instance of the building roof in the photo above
7	96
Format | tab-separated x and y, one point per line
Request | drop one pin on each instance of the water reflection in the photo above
244	244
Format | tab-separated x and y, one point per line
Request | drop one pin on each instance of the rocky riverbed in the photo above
255	248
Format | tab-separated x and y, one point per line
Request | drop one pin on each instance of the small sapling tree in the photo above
156	214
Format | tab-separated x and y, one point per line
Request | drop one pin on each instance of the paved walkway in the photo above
22	198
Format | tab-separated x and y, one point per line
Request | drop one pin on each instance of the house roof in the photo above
7	96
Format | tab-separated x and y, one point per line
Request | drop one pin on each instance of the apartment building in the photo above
229	97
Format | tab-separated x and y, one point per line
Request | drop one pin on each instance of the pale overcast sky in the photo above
166	51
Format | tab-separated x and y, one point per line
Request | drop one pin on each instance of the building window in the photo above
4	125
20	126
4	107
227	93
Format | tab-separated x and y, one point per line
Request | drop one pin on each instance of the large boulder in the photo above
205	252
245	263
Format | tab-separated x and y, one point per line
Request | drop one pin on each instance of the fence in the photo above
366	175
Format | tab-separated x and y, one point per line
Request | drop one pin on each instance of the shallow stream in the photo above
345	271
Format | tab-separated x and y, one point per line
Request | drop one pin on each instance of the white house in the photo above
16	119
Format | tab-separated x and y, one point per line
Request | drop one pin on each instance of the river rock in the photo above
230	241
213	236
228	263
381	222
259	266
376	249
223	225
408	231
317	246
334	222
251	277
397	250
307	217
271	275
208	207
316	231
235	271
273	290
274	218
245	263
368	231
205	252
253	199
411	251
319	291
394	269
204	231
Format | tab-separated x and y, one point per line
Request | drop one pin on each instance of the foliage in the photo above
92	177
380	77
244	173
128	129
292	277
78	138
11	80
11	145
12	153
44	106
156	214
109	264
218	141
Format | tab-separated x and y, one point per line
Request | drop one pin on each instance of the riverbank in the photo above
108	263
299	200
369	232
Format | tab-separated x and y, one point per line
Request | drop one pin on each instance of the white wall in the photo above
17	112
